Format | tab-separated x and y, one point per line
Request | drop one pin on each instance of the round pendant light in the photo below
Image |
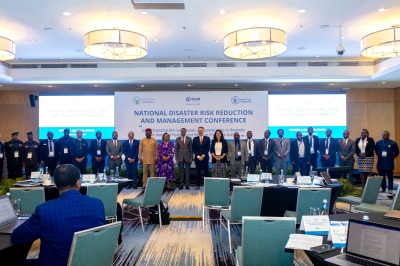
7	49
381	44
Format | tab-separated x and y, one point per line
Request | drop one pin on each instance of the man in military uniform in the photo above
31	155
64	144
14	150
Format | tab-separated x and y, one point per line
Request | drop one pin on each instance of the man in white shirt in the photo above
300	154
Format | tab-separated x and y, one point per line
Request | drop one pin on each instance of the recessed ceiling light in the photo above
317	56
142	86
49	29
50	86
331	84
324	26
381	9
301	48
156	40
189	85
236	85
33	41
301	10
66	14
343	37
95	86
144	13
217	41
283	84
61	57
222	11
383	82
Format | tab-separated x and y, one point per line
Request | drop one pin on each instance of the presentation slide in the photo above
86	113
297	112
229	111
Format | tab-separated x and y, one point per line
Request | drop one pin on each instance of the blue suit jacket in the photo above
204	148
55	223
131	152
392	150
332	149
93	149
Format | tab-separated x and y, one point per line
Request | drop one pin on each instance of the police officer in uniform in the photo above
14	150
79	150
31	155
64	144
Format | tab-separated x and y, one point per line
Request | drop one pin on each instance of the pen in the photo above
341	251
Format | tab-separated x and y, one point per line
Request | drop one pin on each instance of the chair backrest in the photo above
264	240
246	201
396	202
108	194
153	192
94	246
30	198
371	190
310	197
216	191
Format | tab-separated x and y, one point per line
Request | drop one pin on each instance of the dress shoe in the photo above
382	191
134	187
187	187
128	186
180	187
390	191
197	187
144	187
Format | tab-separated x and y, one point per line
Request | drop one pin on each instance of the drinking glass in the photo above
281	179
314	211
112	174
16	203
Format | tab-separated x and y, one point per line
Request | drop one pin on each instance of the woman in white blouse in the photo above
219	150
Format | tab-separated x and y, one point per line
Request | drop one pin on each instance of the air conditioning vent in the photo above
349	64
20	66
53	65
226	64
168	65
256	64
194	64
317	63
287	64
83	65
5	64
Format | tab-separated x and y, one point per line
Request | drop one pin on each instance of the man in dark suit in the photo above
327	149
266	152
131	152
114	150
346	148
300	154
98	153
14	150
314	148
184	157
31	155
64	144
79	150
201	149
56	221
252	148
49	152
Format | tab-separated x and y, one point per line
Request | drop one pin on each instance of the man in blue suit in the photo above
386	150
131	152
201	148
98	153
56	221
327	148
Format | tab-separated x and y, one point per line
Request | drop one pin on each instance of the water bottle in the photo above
311	172
325	208
116	173
260	174
327	171
246	173
366	218
348	177
281	177
41	174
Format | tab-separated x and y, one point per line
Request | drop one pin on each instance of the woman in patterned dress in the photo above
219	150
365	147
165	163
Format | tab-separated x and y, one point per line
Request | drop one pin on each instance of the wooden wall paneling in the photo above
356	96
380	95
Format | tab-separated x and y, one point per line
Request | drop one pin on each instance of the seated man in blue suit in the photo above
56	221
131	152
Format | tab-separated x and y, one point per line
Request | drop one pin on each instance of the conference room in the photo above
223	71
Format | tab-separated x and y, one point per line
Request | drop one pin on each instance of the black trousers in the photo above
97	167
267	165
81	166
14	171
252	164
1	168
29	168
199	165
51	164
389	174
313	161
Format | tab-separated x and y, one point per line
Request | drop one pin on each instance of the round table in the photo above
276	199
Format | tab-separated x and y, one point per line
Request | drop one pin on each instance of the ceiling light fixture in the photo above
142	86
331	84
95	86
144	13
156	40
217	41
255	43
7	49
383	82
301	10
283	84
222	11
381	44
381	10
66	14
343	37
236	85
33	41
115	44
50	86
324	26
317	56
189	85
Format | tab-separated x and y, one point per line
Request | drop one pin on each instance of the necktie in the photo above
281	140
266	144
326	143
183	142
249	144
130	143
201	140
98	144
345	142
115	143
310	140
51	145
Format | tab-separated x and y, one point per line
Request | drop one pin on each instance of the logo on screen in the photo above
137	100
192	99
235	100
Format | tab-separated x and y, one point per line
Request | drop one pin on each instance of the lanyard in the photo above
385	144
15	144
31	145
67	142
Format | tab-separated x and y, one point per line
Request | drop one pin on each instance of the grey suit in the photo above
184	153
114	151
278	150
236	163
347	151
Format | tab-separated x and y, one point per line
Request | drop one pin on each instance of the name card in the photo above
35	175
266	176
303	180
253	178
315	224
338	233
46	177
318	180
88	178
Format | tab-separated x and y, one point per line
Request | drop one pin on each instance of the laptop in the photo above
370	244
8	219
393	214
327	178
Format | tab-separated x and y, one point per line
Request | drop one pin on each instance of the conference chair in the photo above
369	196
366	207
108	194
30	198
264	240
216	195
152	197
306	198
246	201
94	246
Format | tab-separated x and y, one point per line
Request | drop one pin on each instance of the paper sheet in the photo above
303	242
